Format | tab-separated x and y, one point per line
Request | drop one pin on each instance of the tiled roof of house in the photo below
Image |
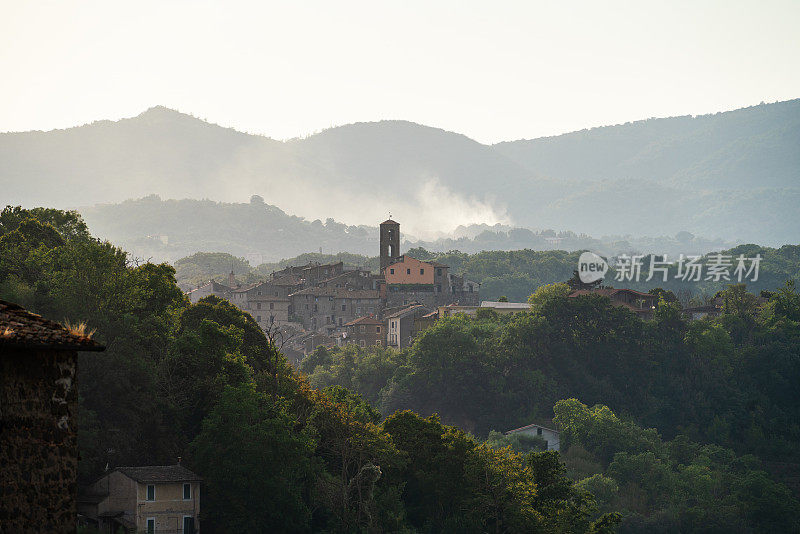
345	274
248	287
406	311
159	473
340	293
21	328
315	266
533	425
216	287
285	280
367	319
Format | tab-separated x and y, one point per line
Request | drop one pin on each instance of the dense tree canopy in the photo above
204	382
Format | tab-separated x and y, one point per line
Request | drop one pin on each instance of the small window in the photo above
378	330
361	328
422	271
187	492
538	431
408	271
391	271
340	321
271	305
151	493
344	307
151	525
258	318
362	343
258	306
438	272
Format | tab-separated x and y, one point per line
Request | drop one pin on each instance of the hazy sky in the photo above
491	70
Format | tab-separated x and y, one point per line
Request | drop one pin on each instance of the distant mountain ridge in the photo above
747	148
733	175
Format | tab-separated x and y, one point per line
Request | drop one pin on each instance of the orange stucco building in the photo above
408	270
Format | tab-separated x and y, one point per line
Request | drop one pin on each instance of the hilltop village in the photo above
332	305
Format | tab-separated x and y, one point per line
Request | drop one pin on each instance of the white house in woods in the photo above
550	436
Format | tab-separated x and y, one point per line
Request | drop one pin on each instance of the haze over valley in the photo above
729	177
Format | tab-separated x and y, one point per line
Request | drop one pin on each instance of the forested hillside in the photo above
706	390
204	382
727	175
704	153
161	230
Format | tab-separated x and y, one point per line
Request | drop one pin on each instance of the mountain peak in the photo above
160	111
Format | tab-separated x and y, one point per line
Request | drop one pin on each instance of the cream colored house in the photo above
154	499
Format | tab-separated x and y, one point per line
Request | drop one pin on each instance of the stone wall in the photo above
38	443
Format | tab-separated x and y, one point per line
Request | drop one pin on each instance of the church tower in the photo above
390	242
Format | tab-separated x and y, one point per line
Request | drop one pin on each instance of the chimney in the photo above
179	460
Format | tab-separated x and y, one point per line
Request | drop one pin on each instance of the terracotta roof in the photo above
339	292
159	473
367	319
20	328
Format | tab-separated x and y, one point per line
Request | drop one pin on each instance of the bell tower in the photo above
390	242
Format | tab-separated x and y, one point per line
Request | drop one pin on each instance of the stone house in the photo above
353	279
314	272
212	287
462	291
38	408
551	437
161	499
268	302
329	308
365	331
400	325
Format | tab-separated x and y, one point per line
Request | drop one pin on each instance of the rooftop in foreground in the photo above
22	329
